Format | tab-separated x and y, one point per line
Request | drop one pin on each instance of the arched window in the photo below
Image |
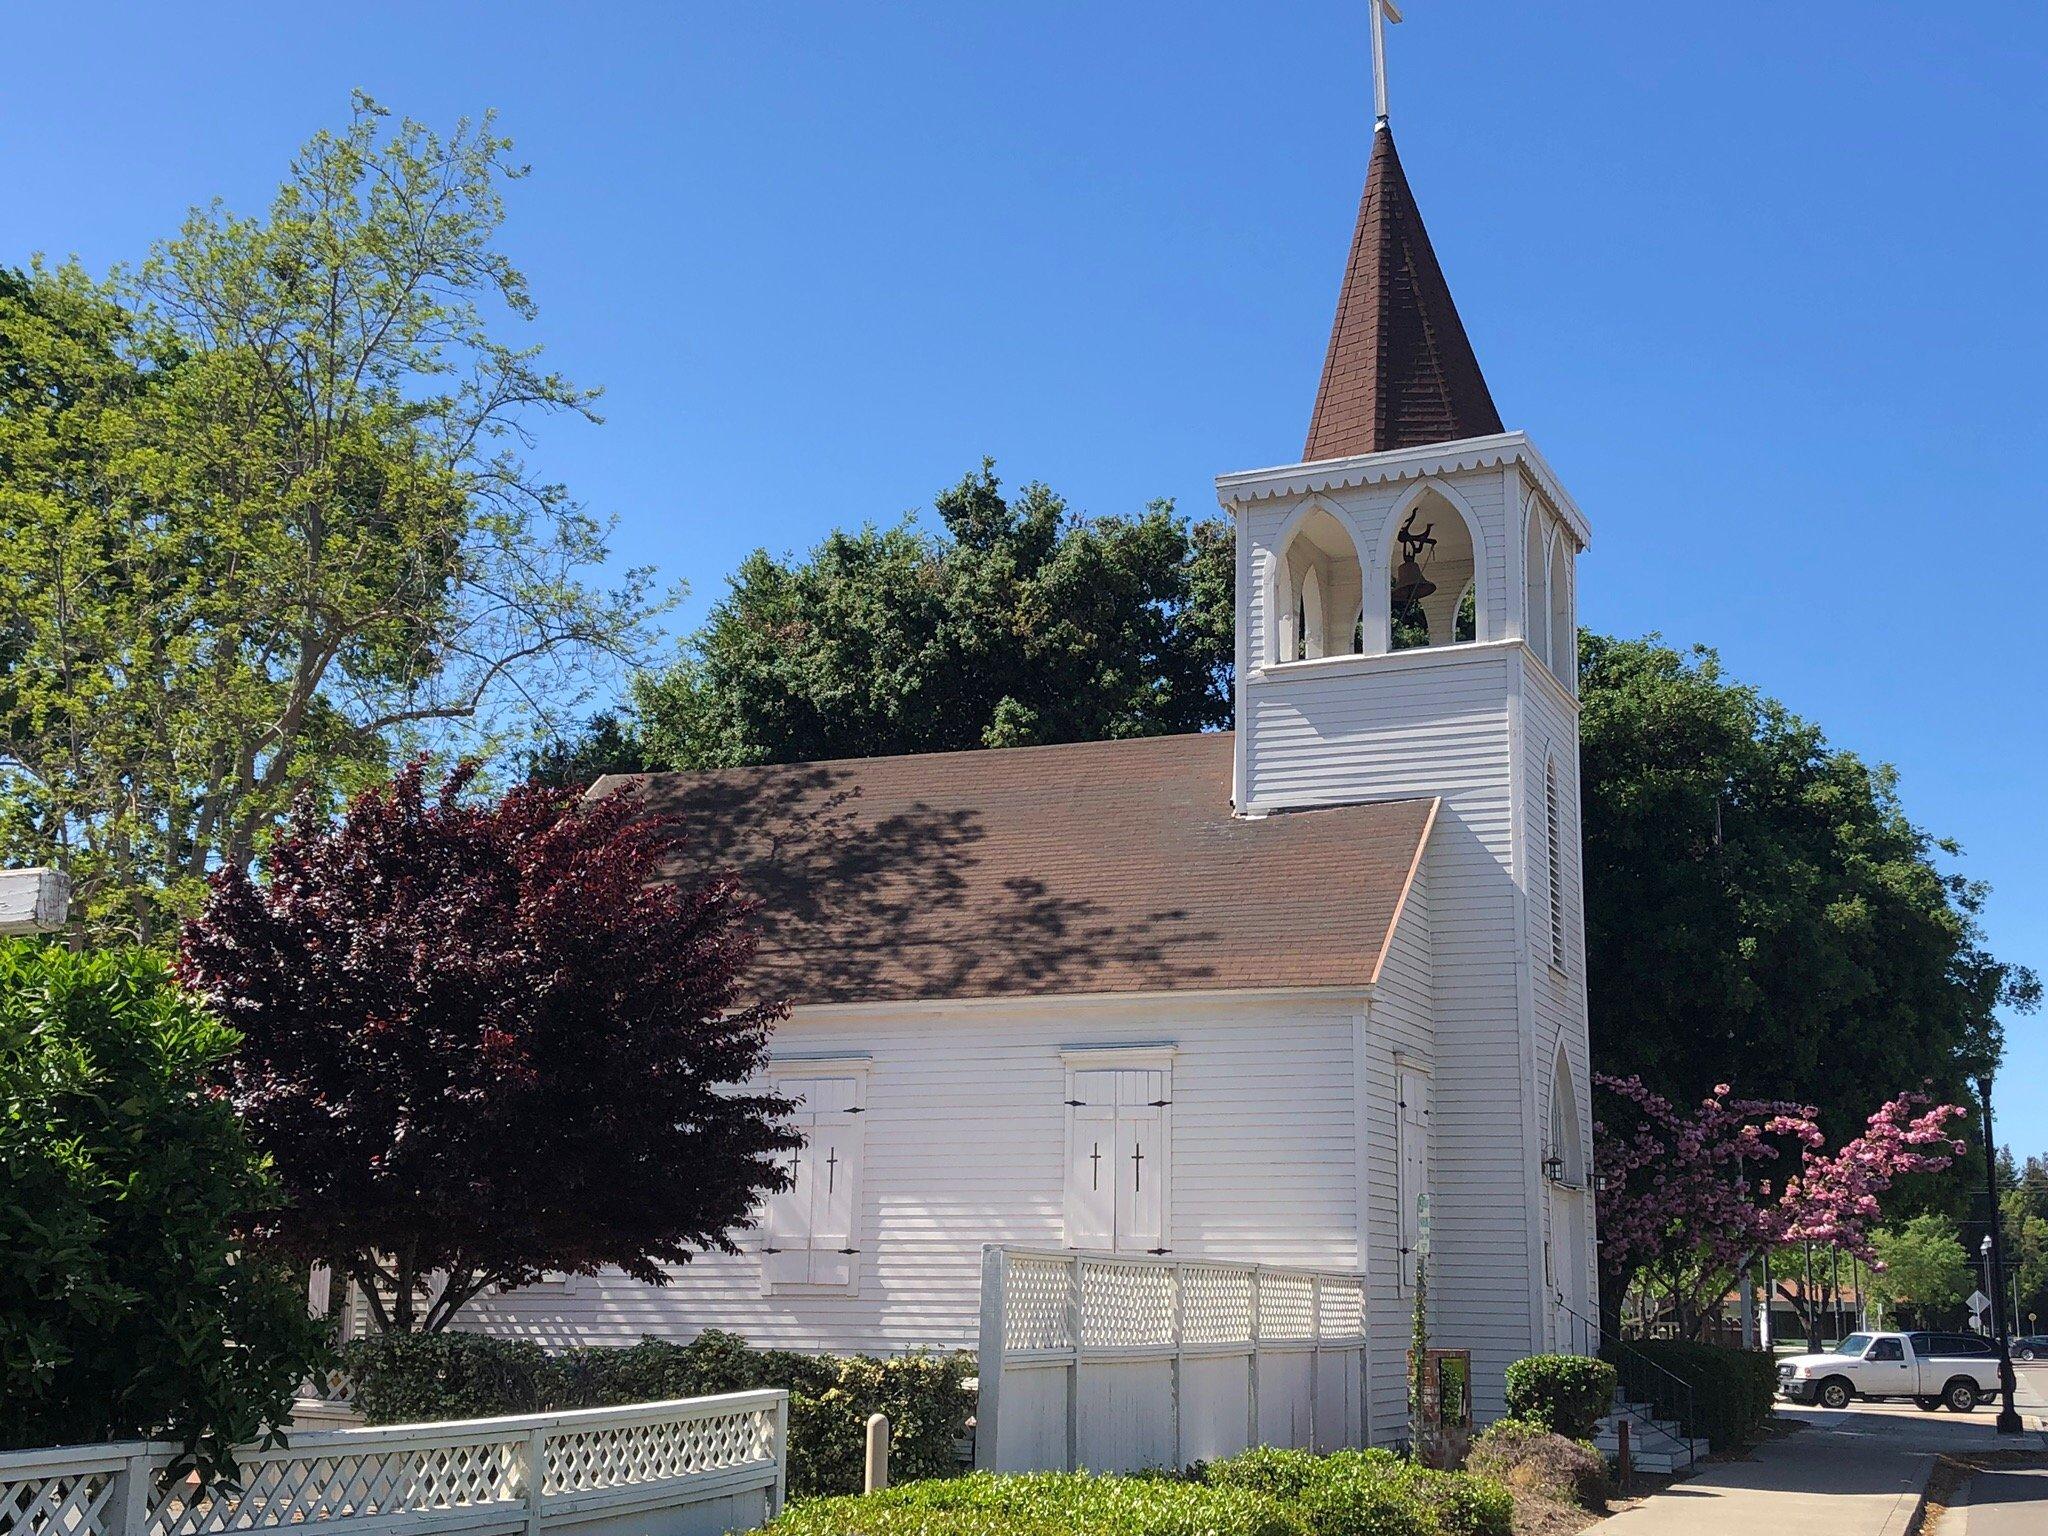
1319	576
1564	650
1564	1125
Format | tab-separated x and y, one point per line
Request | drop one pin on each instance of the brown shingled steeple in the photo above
1400	372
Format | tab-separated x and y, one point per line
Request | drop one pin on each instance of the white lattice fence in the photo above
1115	1362
694	1467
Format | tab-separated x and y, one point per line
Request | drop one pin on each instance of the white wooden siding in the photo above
1559	994
1398	1028
965	1145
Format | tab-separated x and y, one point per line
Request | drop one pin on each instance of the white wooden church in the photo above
1241	996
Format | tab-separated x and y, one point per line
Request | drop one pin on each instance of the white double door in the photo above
1117	1160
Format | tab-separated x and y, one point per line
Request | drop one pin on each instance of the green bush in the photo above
128	1306
1528	1458
400	1378
1732	1389
1370	1493
411	1378
1046	1504
1567	1394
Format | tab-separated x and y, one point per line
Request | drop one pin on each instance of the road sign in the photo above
1979	1301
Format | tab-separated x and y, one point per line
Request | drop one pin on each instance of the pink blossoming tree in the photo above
1687	1195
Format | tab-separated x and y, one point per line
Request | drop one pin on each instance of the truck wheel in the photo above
1960	1395
1927	1404
1835	1392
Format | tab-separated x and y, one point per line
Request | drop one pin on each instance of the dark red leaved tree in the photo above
477	1042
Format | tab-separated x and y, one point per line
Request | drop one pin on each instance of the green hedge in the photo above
1731	1388
1567	1394
1046	1504
1261	1493
406	1378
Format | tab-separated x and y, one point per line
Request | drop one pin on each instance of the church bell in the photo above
1410	585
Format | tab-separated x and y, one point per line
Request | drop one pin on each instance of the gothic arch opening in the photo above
1431	569
1321	580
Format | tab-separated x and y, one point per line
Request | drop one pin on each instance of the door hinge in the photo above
1159	1250
1077	1103
855	1109
849	1250
1159	1104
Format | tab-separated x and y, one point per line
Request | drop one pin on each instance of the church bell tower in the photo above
1406	629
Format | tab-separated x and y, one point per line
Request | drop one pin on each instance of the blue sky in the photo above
1767	285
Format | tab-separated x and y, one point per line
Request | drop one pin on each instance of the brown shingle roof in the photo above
1098	867
1400	371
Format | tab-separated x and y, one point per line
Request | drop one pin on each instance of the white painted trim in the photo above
1279	599
1407	887
1141	1055
1404	464
819	1063
1384	661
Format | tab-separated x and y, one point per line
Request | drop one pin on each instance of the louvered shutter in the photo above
1091	1162
1141	1160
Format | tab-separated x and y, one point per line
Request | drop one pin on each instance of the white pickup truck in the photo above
1935	1370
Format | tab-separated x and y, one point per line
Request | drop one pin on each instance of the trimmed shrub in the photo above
1567	1394
1527	1458
1371	1493
400	1378
411	1378
1046	1504
1732	1389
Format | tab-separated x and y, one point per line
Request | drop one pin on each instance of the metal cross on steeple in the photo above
1383	11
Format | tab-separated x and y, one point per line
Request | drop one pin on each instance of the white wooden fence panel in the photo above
1115	1362
692	1467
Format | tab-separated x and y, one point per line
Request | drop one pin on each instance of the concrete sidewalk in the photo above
1857	1473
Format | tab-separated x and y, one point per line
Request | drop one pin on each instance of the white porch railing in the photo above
693	1467
1117	1362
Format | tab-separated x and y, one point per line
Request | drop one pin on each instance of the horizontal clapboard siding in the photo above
965	1144
1398	1027
1551	721
1389	728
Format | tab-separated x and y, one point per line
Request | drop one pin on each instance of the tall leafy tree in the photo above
1759	909
1017	622
478	1043
1922	1273
263	519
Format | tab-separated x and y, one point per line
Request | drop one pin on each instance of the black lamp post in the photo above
2008	1415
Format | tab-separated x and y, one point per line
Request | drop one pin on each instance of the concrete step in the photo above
1655	1445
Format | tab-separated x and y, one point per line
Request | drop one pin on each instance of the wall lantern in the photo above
1553	1168
1410	585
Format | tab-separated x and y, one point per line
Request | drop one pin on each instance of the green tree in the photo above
1020	623
2024	1210
128	1305
263	524
1759	909
1926	1273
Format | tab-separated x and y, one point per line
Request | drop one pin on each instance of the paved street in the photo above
1855	1473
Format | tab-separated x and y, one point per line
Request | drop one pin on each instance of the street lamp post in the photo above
1994	1254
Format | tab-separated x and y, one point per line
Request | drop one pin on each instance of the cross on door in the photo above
1138	1166
831	1169
1095	1167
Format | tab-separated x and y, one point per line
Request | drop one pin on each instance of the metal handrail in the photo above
1689	1419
